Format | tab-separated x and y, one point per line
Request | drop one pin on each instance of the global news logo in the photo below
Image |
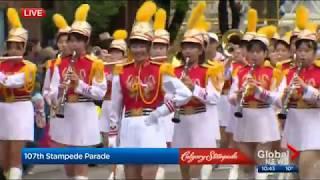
33	12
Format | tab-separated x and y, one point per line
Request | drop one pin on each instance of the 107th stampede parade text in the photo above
65	157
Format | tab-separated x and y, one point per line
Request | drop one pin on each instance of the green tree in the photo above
99	16
181	7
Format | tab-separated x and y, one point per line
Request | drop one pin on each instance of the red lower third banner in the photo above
213	156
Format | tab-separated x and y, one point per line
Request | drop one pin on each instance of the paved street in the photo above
103	172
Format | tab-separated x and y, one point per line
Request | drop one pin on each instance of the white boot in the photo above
160	173
15	173
233	174
111	176
120	172
80	178
206	171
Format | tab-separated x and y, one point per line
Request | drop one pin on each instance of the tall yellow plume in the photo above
120	34
13	18
302	17
160	19
195	14
59	21
268	31
252	20
202	24
312	27
146	11
82	12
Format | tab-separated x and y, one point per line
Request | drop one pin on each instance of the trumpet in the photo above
62	94
176	117
239	108
285	105
96	51
230	38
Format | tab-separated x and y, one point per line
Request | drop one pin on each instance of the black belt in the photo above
15	99
77	98
138	112
192	110
302	106
256	105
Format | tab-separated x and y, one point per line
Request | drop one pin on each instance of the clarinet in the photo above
62	95
282	115
239	108
176	117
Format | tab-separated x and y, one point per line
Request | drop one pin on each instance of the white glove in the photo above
152	119
2	78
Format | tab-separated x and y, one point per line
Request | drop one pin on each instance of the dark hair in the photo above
9	44
179	55
211	40
309	43
293	37
78	36
244	44
132	41
205	44
60	35
112	49
278	42
164	44
257	43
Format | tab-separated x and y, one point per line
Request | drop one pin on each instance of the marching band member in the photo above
17	79
212	52
302	124
282	47
117	51
248	93
272	57
236	62
214	59
63	49
137	90
302	18
80	126
56	123
206	83
159	52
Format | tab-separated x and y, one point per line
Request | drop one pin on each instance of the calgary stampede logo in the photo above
147	85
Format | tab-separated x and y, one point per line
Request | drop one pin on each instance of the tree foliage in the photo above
99	17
